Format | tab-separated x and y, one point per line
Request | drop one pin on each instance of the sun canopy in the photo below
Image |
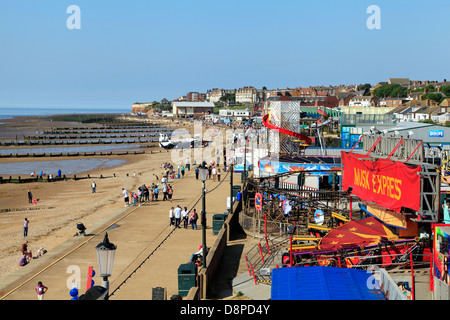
362	232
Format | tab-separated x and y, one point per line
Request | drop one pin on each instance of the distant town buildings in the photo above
215	94
419	100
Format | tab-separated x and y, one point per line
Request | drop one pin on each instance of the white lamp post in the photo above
203	175
105	255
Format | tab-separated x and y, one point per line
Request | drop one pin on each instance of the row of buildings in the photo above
346	98
347	95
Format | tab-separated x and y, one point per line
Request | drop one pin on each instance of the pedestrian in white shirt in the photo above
171	217
177	216
185	217
214	173
126	196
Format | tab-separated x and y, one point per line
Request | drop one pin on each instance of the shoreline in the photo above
62	204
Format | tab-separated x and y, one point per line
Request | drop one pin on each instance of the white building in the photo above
229	113
190	109
249	95
363	101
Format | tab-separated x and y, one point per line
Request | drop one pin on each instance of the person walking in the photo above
177	216
146	193
156	191
193	219
197	170
218	174
182	171
169	192
126	197
185	217
164	191
25	227
30	197
214	173
94	187
41	290
171	217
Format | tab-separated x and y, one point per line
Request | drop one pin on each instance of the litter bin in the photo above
236	189
218	220
187	277
159	293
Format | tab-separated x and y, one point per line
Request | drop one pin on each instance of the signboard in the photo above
258	201
390	184
276	166
441	251
318	217
436	133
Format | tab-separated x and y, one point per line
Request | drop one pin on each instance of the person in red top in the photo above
25	251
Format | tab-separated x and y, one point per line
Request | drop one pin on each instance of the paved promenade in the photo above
148	253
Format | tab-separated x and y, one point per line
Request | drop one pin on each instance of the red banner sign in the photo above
390	184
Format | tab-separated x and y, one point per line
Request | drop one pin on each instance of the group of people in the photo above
30	198
27	255
177	215
144	192
213	172
42	174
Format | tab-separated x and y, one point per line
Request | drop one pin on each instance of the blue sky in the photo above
128	51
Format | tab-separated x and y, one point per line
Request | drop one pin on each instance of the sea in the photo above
10	112
67	166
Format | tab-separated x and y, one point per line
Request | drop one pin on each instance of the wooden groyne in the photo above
72	154
47	178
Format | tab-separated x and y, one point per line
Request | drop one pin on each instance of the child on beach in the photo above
135	198
41	290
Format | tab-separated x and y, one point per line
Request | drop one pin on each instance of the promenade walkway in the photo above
148	253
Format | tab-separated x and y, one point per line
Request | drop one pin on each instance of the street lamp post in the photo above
203	175
231	186
105	255
245	157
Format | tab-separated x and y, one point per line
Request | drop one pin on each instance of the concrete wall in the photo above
215	255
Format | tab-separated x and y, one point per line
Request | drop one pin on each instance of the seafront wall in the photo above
214	256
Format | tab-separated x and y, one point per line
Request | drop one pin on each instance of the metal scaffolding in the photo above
409	151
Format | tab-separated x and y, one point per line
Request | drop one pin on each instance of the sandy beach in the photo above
62	204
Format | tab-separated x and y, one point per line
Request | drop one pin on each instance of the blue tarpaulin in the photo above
323	283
